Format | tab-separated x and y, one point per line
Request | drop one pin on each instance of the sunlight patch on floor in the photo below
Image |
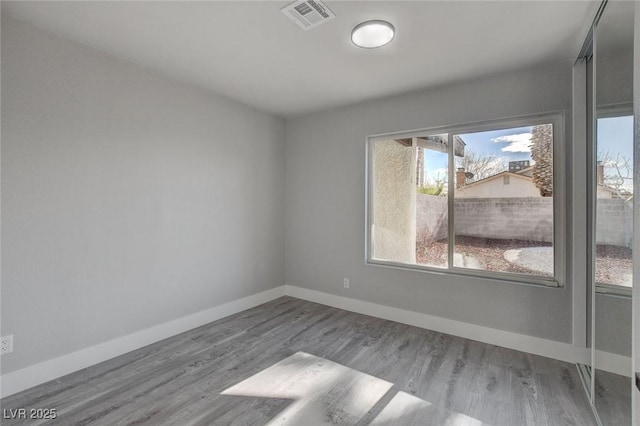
325	392
322	391
406	409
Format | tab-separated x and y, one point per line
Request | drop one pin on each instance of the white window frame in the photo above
559	199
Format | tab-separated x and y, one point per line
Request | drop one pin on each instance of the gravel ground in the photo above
489	252
613	263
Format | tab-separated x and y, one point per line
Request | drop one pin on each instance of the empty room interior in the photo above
320	212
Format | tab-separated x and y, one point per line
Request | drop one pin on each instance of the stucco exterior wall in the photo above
431	218
394	192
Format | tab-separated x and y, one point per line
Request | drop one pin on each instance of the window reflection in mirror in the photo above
614	201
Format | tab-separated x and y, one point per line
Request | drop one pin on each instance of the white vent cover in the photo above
308	13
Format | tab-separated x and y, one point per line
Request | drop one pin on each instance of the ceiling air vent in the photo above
308	13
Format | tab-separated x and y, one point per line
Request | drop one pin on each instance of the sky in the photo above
615	135
512	144
509	144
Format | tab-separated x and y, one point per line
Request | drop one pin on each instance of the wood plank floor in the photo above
613	398
180	381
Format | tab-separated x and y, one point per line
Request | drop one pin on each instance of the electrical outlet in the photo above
346	283
6	344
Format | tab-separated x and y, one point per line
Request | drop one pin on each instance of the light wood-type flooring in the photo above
613	398
291	361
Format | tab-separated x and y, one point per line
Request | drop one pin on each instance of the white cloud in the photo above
516	143
438	172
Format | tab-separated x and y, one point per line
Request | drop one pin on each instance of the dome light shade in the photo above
372	34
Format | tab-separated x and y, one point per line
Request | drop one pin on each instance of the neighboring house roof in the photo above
527	171
492	177
616	192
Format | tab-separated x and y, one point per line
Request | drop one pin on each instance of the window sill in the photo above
614	290
520	279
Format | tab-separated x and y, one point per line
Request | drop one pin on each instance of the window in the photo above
614	202
474	200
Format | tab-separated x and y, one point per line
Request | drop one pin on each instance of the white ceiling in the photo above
251	52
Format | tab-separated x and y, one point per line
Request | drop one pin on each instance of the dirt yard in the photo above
613	264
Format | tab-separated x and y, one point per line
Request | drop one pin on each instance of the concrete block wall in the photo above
614	218
431	218
528	219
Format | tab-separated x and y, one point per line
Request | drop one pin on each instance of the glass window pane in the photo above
409	195
432	212
503	203
614	201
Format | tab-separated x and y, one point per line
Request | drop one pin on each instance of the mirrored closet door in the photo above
611	212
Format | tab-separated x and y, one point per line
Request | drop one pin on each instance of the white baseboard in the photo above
614	363
34	375
535	345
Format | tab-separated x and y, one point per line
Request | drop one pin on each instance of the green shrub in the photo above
431	190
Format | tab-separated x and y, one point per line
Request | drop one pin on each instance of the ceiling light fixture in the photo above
372	34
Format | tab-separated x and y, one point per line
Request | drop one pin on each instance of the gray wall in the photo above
325	160
128	199
613	324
